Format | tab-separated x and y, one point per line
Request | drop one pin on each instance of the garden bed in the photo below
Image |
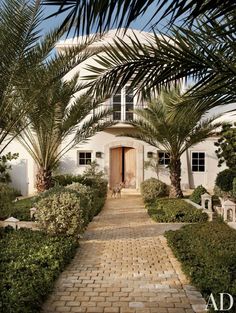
207	252
167	210
30	262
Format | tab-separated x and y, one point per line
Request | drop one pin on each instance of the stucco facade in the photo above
114	153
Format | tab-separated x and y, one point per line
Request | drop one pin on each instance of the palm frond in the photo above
87	15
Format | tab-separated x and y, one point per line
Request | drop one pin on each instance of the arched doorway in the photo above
123	166
134	150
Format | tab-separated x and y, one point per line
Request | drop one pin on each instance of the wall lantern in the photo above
98	154
149	154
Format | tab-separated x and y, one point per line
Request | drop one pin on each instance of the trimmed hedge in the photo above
152	188
175	211
208	255
66	179
30	262
196	195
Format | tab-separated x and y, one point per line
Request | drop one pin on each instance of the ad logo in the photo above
223	299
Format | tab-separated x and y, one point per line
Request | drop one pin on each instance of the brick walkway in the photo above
124	266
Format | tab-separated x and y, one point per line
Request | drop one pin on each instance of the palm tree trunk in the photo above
175	173
43	179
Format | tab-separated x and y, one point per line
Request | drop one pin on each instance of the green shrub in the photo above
7	195
85	195
207	252
174	211
60	213
196	195
66	179
30	262
152	188
222	194
224	180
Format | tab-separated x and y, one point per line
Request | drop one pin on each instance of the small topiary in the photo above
60	213
7	195
196	195
152	188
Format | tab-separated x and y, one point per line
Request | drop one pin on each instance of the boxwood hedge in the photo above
30	262
207	252
175	210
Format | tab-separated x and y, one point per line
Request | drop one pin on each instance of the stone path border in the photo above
124	265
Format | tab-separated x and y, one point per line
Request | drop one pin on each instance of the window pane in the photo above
201	168
117	106
195	168
82	155
81	161
129	98
117	99
88	155
202	162
167	161
201	155
129	116
195	155
88	161
117	116
195	162
129	106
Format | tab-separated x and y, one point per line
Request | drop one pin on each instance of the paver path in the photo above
124	265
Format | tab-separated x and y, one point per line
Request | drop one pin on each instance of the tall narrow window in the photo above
198	161
116	102
129	104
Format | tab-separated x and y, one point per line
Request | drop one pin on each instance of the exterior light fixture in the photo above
98	154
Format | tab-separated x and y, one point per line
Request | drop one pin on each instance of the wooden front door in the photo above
130	167
123	167
116	167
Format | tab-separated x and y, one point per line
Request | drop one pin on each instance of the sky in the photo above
139	23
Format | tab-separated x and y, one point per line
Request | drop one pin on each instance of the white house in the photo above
123	158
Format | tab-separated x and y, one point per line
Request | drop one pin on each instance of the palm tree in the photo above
199	54
22	53
201	49
87	15
159	127
65	120
18	38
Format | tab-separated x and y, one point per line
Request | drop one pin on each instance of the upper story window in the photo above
163	158
198	161
84	157
123	105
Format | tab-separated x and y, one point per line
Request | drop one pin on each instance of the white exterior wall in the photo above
23	169
98	143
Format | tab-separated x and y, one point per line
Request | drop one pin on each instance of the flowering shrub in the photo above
60	213
85	195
